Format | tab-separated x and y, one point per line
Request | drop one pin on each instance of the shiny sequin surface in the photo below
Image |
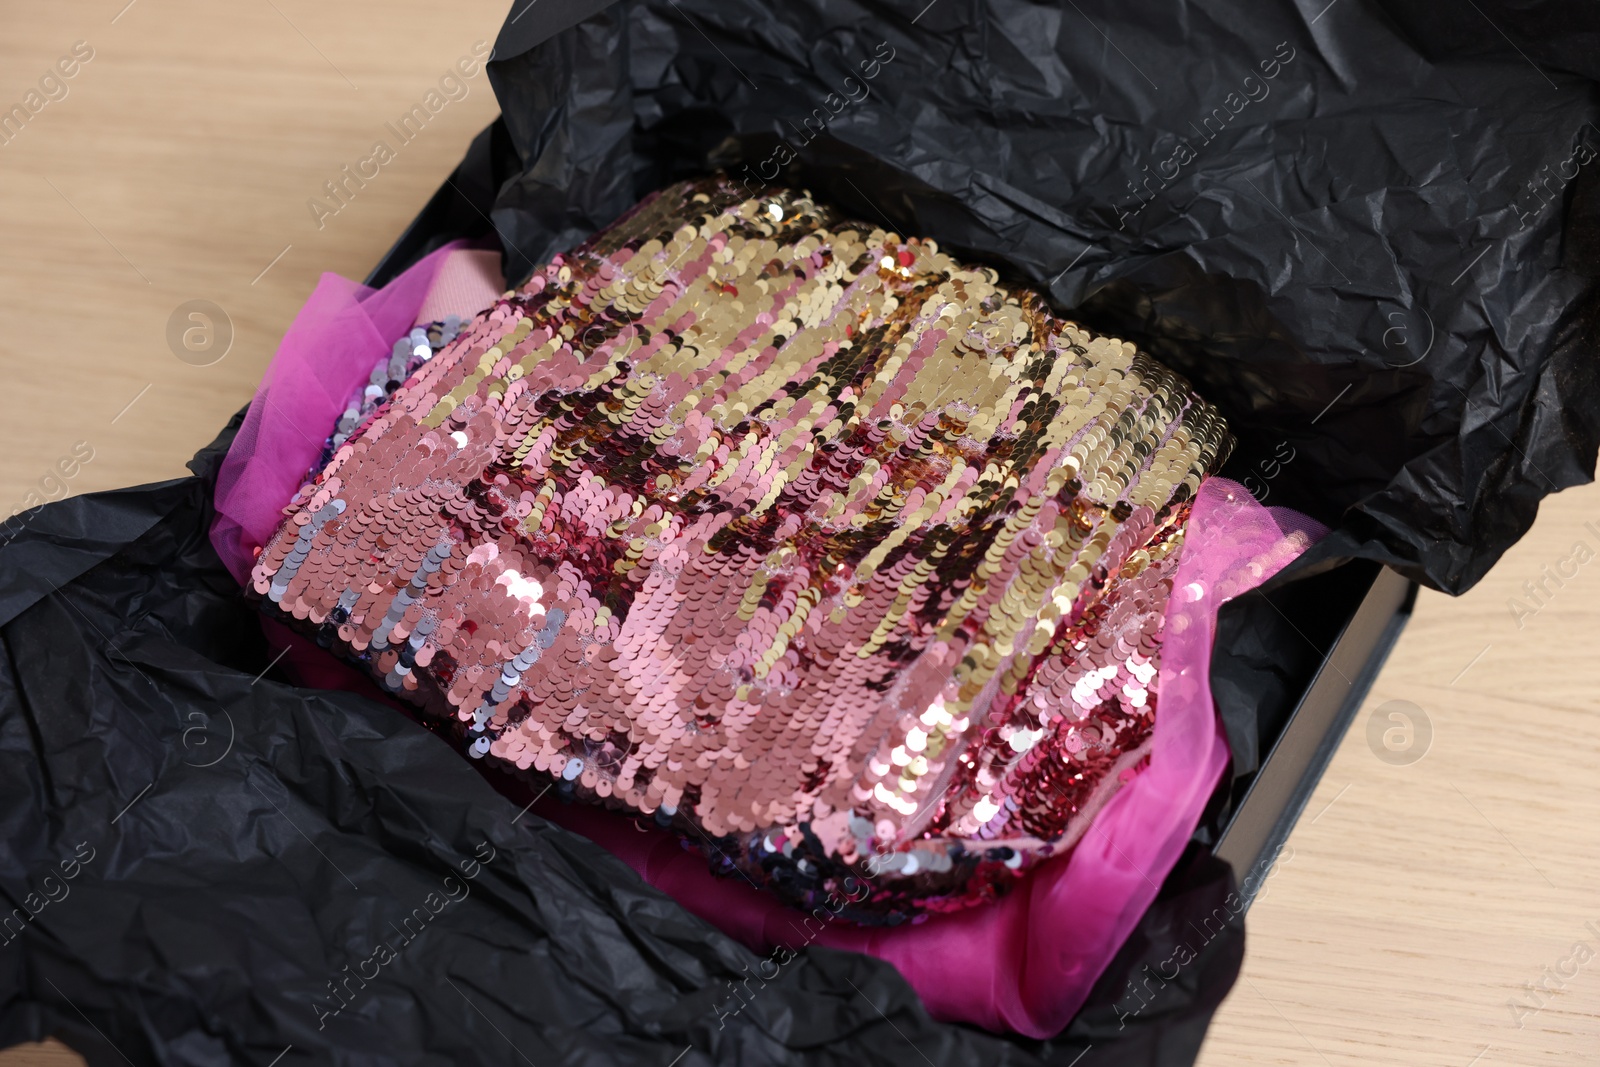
833	553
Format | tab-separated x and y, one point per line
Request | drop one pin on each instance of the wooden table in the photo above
1414	902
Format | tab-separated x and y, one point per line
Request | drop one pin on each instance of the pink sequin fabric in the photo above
805	539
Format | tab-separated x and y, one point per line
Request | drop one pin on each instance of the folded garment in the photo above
841	558
1026	962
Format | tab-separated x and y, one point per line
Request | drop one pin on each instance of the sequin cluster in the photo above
408	354
804	538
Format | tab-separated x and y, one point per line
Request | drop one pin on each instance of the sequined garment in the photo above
831	552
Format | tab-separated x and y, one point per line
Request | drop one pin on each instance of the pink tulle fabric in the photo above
1025	963
341	333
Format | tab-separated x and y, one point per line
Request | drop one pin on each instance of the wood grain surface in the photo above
1419	907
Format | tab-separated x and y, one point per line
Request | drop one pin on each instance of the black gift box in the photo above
1341	623
1356	610
1282	205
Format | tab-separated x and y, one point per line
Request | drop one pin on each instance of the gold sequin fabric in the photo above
806	539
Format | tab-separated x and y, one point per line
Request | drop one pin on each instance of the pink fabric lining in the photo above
1025	963
467	281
